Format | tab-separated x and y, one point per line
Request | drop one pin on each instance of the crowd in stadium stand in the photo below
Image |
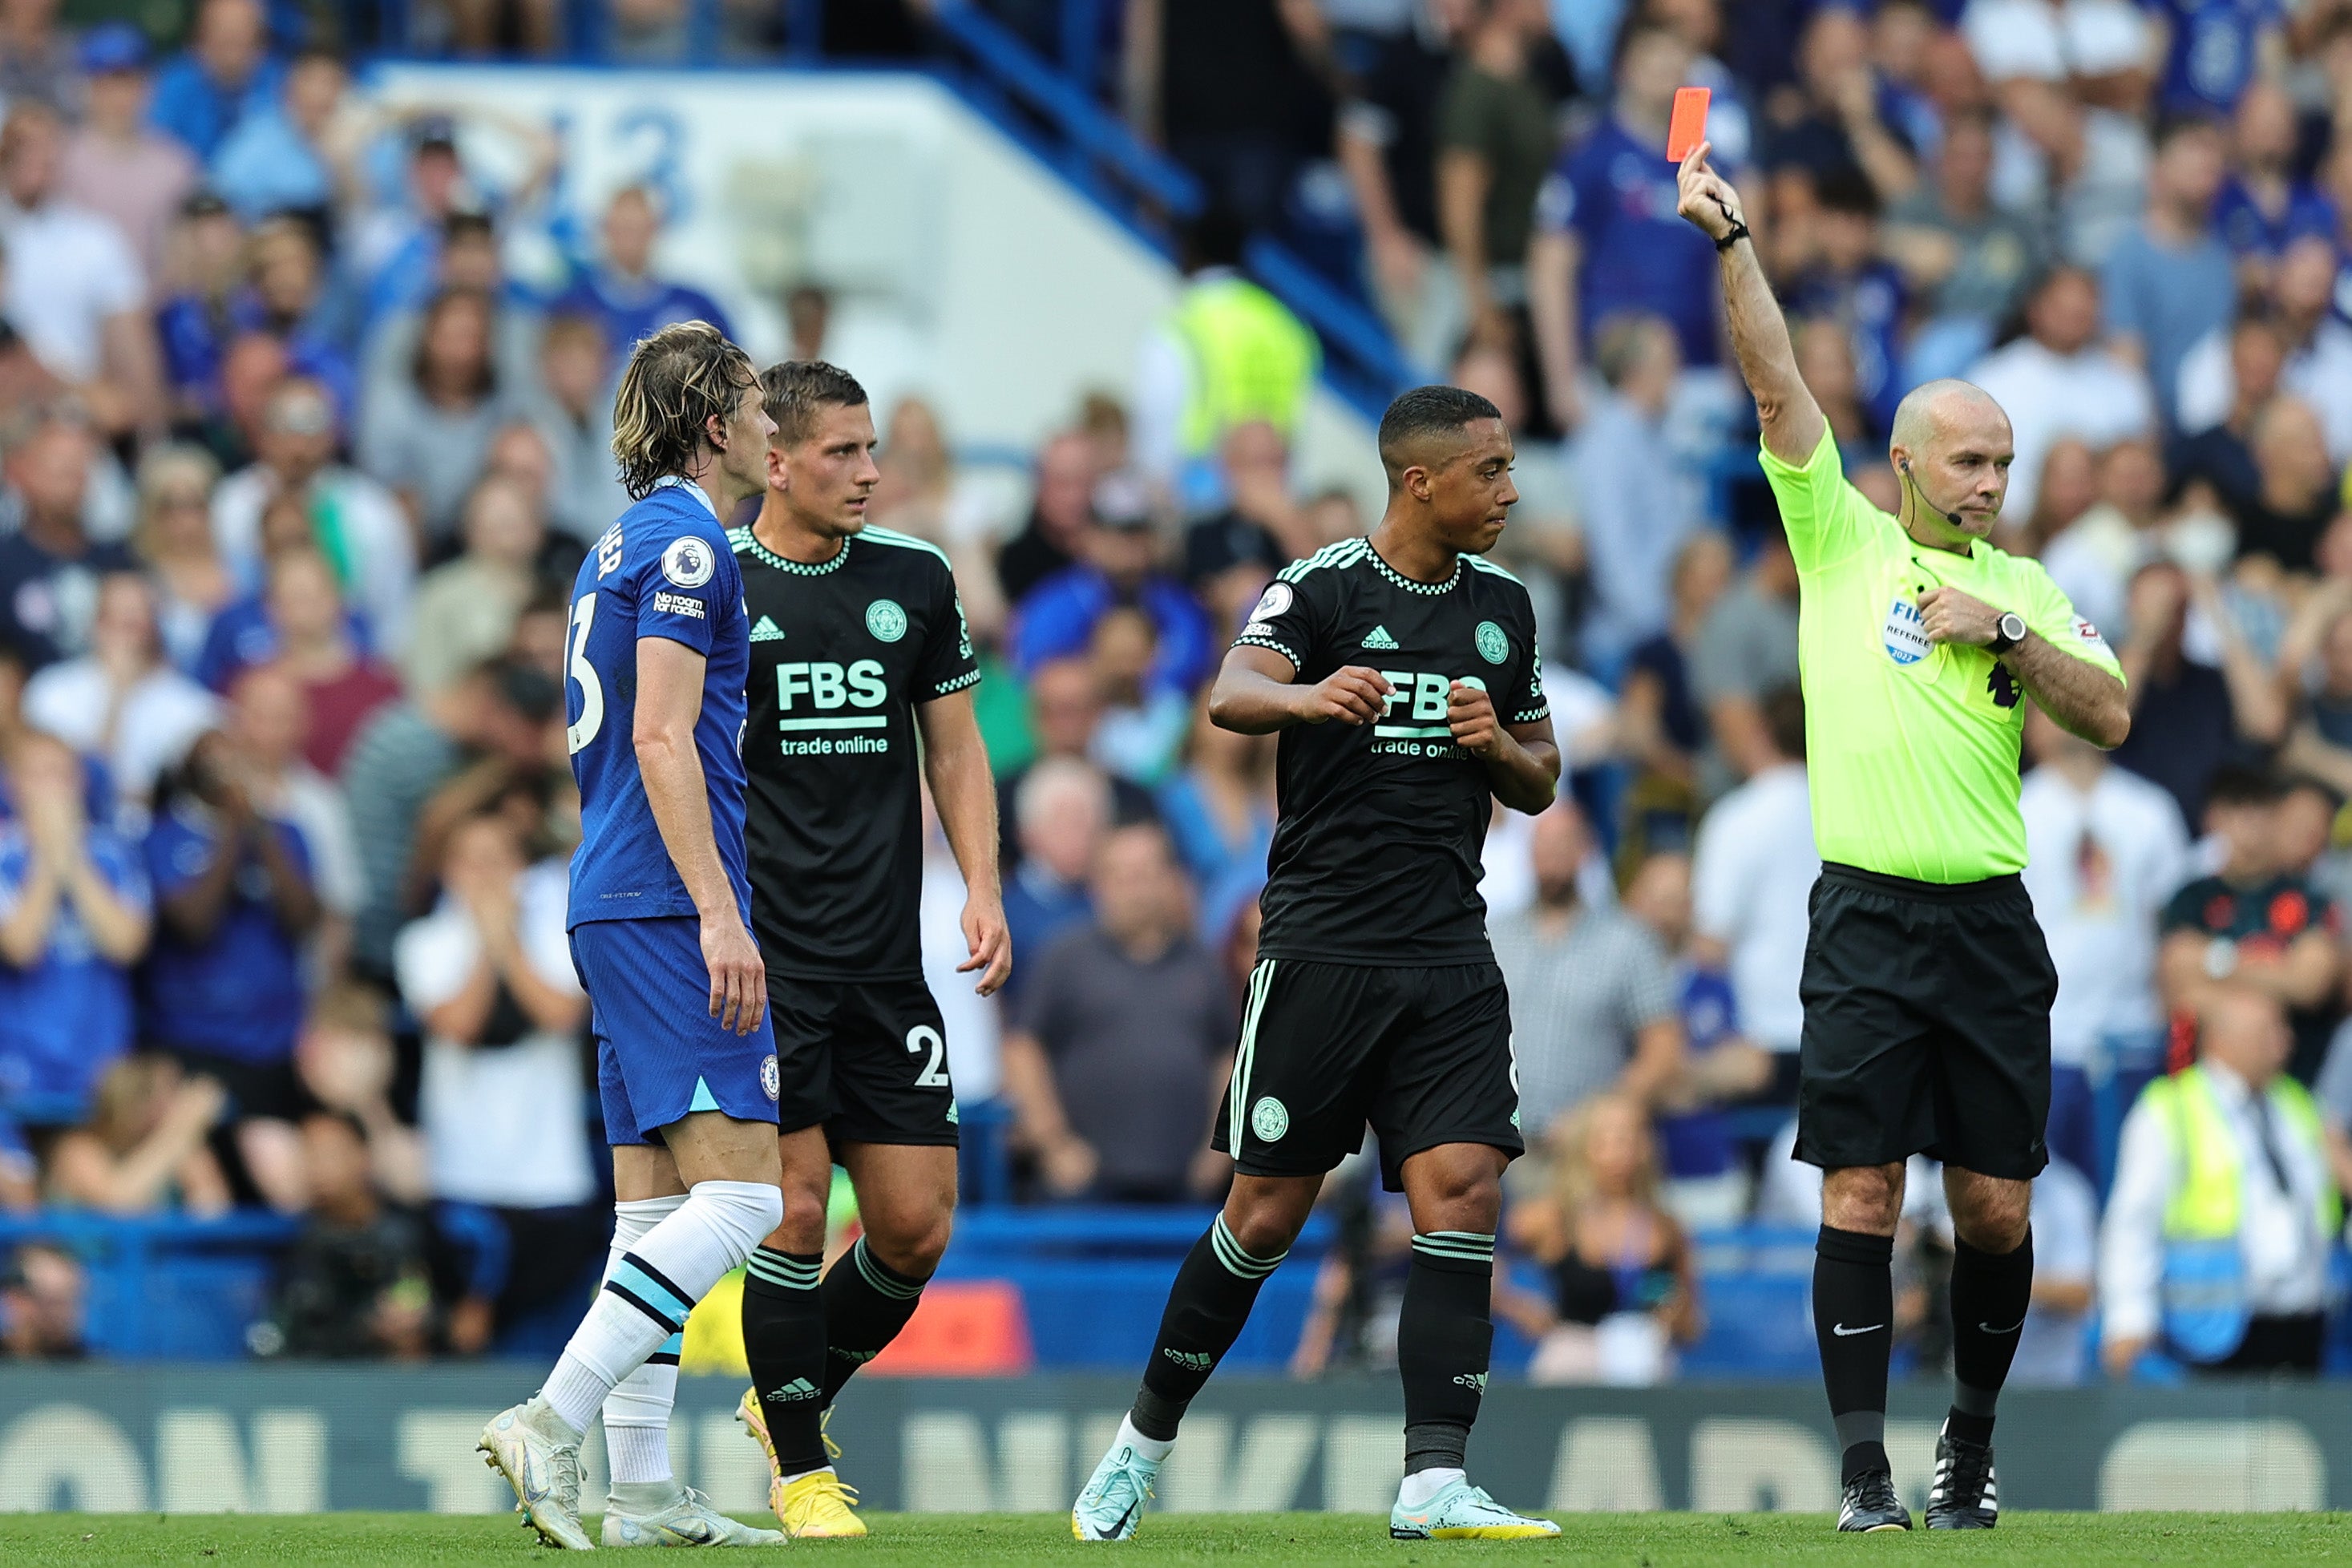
296	476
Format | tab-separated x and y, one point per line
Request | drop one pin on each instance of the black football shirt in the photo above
842	654
1376	846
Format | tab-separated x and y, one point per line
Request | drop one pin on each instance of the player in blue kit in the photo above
660	915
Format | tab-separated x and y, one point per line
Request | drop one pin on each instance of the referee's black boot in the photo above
1870	1503
1964	1496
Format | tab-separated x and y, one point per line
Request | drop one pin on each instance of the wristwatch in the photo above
2006	633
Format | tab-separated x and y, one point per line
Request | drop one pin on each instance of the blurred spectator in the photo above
1124	1039
1832	127
1637	504
278	159
427	435
2190	719
2219	455
1065	712
1121	567
269	720
1495	142
2215	1247
2077	159
236	892
38	61
1061	515
359	526
1230	554
467	258
2317	345
1607	239
2057	381
175	540
2321	745
2297	496
121	703
1061	810
1593	996
2053	1349
1230	89
1388	147
2264	201
20	1175
225	74
1746	647
347	1064
1752	879
2093	559
74	287
1623	1279
1144	721
622	290
289	300
2104	850
1969	258
340	685
1220	813
49	565
2171	279
143	1150
1663	728
354	1283
466	609
573	414
2069	488
74	917
2256	923
408	750
2216	50
42	1295
113	164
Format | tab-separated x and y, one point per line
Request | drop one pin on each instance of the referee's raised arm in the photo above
1792	421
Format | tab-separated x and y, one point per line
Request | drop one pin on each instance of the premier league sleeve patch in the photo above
690	562
1274	601
2089	636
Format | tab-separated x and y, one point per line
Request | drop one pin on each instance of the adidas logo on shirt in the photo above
767	631
1379	640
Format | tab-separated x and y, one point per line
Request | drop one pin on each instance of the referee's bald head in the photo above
1932	409
1951	445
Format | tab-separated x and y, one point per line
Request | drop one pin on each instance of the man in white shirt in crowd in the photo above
2058	381
2232	1140
2105	849
120	703
1752	877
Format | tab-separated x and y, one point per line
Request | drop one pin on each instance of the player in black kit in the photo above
858	650
1401	671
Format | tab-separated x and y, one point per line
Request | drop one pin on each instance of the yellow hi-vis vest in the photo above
2207	1191
1251	359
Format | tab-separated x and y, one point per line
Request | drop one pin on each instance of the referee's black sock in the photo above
1446	1337
783	1341
1214	1289
867	1302
1991	1294
1854	1317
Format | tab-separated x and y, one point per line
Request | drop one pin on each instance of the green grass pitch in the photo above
1592	1541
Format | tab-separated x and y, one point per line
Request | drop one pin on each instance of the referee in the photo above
1926	984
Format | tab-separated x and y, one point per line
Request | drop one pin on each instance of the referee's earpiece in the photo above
1951	517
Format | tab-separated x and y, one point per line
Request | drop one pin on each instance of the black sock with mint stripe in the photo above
1446	1337
1207	1306
783	1340
867	1302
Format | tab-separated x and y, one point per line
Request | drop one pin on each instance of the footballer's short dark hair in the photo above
798	390
1422	415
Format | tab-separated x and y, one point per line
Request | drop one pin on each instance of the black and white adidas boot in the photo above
1964	1496
1870	1504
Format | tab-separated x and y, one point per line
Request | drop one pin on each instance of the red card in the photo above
1688	127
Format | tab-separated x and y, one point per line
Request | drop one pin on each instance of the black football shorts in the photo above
865	1059
1423	1055
1926	1025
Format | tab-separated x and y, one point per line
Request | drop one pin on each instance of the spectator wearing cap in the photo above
621	290
225	73
115	165
1638	506
2169	281
74	288
2058	380
1120	565
276	160
356	523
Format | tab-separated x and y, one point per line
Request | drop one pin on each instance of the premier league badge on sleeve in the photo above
688	562
1272	603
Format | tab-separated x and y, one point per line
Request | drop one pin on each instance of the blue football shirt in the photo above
665	570
238	994
67	1015
1617	195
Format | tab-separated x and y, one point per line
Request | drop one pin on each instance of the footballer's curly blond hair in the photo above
679	380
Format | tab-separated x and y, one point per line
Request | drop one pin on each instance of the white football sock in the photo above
636	1413
1153	1449
1422	1484
655	1286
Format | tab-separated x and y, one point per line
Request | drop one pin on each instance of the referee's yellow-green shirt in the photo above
1911	746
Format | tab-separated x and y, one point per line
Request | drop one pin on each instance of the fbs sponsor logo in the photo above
1269	1119
767	631
796	1392
886	620
1474	1381
1191	1361
667	604
1378	640
1494	643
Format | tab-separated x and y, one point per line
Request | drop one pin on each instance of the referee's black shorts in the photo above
1926	1025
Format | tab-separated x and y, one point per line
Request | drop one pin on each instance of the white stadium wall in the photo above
962	268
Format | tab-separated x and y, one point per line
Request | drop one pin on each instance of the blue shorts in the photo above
660	1053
